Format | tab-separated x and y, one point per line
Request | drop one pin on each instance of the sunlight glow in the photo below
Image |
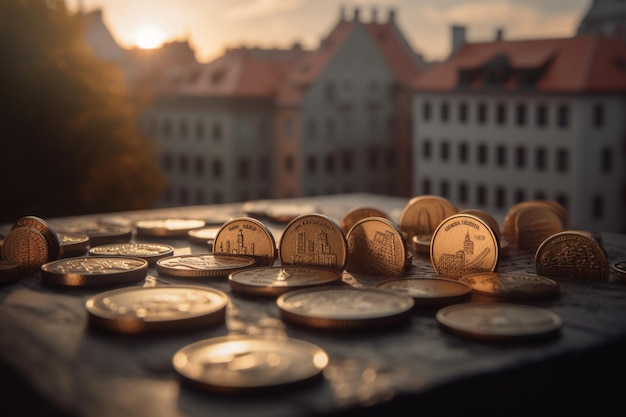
149	37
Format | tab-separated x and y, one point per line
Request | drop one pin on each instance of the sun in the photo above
149	37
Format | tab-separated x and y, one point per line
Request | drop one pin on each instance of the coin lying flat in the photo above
94	271
135	310
376	247
26	247
422	215
345	307
240	363
246	236
314	240
52	239
360	213
167	227
277	280
9	272
429	292
105	234
203	265
150	252
463	244
498	321
73	244
572	254
203	236
511	284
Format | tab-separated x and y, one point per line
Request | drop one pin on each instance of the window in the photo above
444	112
426	111
562	160
330	129
606	160
166	162
482	113
482	154
541	115
372	158
330	163
183	196
520	157
443	188
264	167
463	112
462	193
540	195
426	149
520	115
501	114
463	152
598	115
217	168
500	197
199	166
346	157
501	155
182	128
243	169
182	164
520	195
217	132
540	159
311	164
200	197
445	151
597	207
562	200
563	116
426	186
481	195
199	130
167	129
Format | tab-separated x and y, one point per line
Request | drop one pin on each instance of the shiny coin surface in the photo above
345	307
376	247
422	215
572	254
240	363
498	321
52	239
73	244
277	280
203	265
314	240
9	272
511	284
463	244
360	213
94	271
246	236
204	236
135	310
26	247
509	229
105	234
167	227
534	225
429	292
150	252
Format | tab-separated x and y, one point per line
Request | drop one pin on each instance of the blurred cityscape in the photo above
497	122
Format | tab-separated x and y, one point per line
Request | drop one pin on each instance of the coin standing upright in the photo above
246	236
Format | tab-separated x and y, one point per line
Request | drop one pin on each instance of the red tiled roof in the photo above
577	64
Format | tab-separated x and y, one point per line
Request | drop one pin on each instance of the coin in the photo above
315	240
572	254
488	218
73	244
204	236
94	271
463	244
509	230
277	280
422	215
498	321
135	310
345	307
203	265
246	236
150	252
535	224
167	227
511	284
26	247
106	234
376	247
421	243
9	272
241	363
429	292
284	213
39	224
359	213
620	270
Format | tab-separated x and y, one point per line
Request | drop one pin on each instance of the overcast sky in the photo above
212	25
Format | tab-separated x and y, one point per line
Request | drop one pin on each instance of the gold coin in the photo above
39	224
167	227
106	234
26	247
246	236
9	272
535	224
345	307
359	213
93	271
277	280
135	310
241	363
203	265
620	270
463	244
509	230
314	240
376	247
73	244
422	215
572	254
421	243
150	252
511	284
204	236
491	221
498	321
429	292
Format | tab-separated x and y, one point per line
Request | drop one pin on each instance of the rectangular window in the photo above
482	113
444	112
426	111
426	149
445	151
311	165
606	163
482	154
463	152
520	157
540	159
463	112
501	155
541	116
481	195
520	195
443	188
597	209
563	116
243	169
520	115
598	115
425	186
463	192
500	197
562	160
501	114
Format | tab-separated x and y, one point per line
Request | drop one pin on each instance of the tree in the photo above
69	136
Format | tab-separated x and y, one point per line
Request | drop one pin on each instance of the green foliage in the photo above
69	136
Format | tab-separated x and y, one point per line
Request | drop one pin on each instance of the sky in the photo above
210	26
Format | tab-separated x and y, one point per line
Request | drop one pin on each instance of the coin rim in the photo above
76	279
150	258
201	273
554	290
430	300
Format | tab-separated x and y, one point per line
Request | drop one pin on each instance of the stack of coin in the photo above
246	236
421	216
30	243
572	254
463	244
539	219
73	244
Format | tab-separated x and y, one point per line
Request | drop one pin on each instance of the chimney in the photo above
392	16
499	34
357	12
342	14
458	38
374	15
